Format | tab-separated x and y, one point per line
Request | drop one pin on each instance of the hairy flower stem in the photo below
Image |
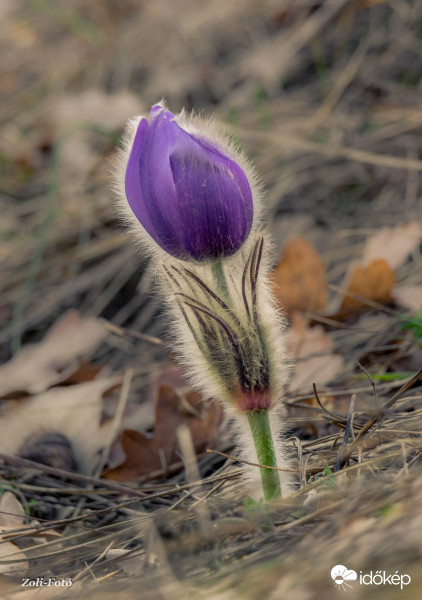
258	419
220	278
260	427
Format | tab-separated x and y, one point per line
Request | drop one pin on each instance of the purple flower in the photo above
191	198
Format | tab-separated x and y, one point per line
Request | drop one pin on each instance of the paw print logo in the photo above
341	576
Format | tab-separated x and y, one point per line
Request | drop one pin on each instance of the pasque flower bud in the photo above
194	200
198	201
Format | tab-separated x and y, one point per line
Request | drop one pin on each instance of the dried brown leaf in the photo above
12	513
75	412
53	360
299	278
147	454
393	244
409	296
373	276
374	282
9	551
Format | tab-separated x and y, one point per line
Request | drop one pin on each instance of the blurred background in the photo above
324	96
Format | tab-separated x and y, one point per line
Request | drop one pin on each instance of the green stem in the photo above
220	278
261	433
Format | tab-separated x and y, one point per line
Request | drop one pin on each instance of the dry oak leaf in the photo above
409	296
9	551
373	276
393	244
56	358
144	455
299	278
12	516
374	282
74	412
12	513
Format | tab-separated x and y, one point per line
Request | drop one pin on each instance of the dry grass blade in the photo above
373	420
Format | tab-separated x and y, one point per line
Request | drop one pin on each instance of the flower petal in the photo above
157	183
157	110
214	199
133	188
